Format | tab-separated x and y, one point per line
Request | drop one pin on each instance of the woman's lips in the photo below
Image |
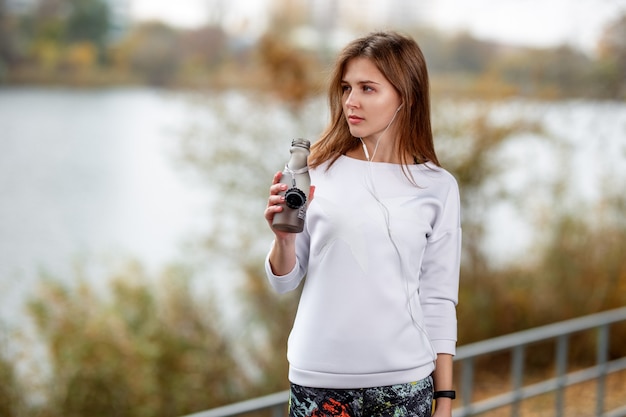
355	119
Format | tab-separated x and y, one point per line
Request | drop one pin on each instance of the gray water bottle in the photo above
296	176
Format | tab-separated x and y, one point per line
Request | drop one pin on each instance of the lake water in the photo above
91	175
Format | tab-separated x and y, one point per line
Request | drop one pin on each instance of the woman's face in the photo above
370	102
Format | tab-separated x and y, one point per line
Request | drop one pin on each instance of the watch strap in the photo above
445	394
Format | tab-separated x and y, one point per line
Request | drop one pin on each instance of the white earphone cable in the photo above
386	215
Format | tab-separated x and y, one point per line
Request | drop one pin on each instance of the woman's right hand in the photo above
274	204
282	257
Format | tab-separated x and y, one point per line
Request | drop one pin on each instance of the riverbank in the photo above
460	86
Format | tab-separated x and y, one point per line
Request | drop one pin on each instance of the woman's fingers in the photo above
277	177
277	186
275	198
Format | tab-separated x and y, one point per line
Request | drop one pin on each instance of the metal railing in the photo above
517	344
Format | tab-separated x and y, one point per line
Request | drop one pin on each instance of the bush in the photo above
135	350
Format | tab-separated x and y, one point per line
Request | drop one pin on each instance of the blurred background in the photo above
138	139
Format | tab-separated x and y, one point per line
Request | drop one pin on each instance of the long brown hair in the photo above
401	61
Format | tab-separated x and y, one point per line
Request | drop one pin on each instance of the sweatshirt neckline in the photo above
377	163
389	165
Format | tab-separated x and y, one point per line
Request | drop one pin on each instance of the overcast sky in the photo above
526	22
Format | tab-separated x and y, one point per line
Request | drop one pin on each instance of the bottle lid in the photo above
303	143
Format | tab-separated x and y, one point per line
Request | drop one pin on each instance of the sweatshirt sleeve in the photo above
439	277
290	282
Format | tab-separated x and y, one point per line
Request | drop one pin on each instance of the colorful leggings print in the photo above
403	400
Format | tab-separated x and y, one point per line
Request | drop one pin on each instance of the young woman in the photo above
375	330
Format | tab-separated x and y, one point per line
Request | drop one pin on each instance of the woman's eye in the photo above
367	88
345	88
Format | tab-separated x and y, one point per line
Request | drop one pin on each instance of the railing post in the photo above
467	385
278	411
562	347
602	356
517	375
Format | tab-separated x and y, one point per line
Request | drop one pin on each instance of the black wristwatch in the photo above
445	394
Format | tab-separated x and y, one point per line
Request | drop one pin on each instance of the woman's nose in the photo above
351	100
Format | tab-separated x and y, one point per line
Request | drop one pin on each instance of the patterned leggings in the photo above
403	400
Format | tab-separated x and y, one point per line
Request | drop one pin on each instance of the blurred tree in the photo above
552	73
568	70
81	57
151	50
288	69
612	52
205	57
433	45
48	23
292	72
468	54
48	35
286	15
47	54
207	47
7	47
50	9
89	21
9	388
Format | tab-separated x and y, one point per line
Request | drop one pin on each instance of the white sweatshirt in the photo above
381	258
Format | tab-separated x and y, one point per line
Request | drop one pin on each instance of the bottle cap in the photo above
303	143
